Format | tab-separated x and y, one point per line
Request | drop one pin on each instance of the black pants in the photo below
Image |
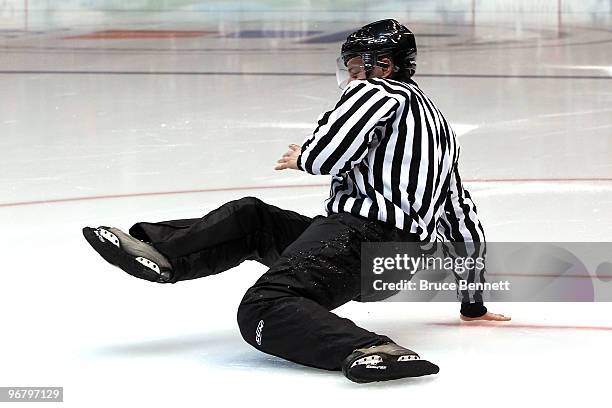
314	268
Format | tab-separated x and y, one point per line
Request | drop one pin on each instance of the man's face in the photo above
356	70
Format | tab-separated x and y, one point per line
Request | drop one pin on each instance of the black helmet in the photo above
382	38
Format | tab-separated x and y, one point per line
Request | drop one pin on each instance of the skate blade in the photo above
394	370
113	254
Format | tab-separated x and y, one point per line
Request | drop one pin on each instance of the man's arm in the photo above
460	223
343	134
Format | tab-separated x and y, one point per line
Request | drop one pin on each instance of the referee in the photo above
393	159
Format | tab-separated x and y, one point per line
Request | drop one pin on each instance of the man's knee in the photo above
250	316
249	209
259	304
249	203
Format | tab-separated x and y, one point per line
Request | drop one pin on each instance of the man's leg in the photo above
242	229
287	312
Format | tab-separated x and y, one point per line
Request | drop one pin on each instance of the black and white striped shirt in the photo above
393	157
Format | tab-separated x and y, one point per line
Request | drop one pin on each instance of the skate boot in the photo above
385	362
135	257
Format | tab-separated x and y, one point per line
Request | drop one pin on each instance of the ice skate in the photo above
135	257
385	362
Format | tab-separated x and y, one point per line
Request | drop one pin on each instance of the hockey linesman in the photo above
393	160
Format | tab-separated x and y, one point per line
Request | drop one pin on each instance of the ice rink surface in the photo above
112	114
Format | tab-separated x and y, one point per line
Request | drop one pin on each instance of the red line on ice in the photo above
511	325
272	187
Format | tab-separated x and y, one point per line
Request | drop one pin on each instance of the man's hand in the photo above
289	159
487	316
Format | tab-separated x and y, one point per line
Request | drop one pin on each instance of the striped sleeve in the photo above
459	223
343	134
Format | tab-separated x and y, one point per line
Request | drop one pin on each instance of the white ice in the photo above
527	85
